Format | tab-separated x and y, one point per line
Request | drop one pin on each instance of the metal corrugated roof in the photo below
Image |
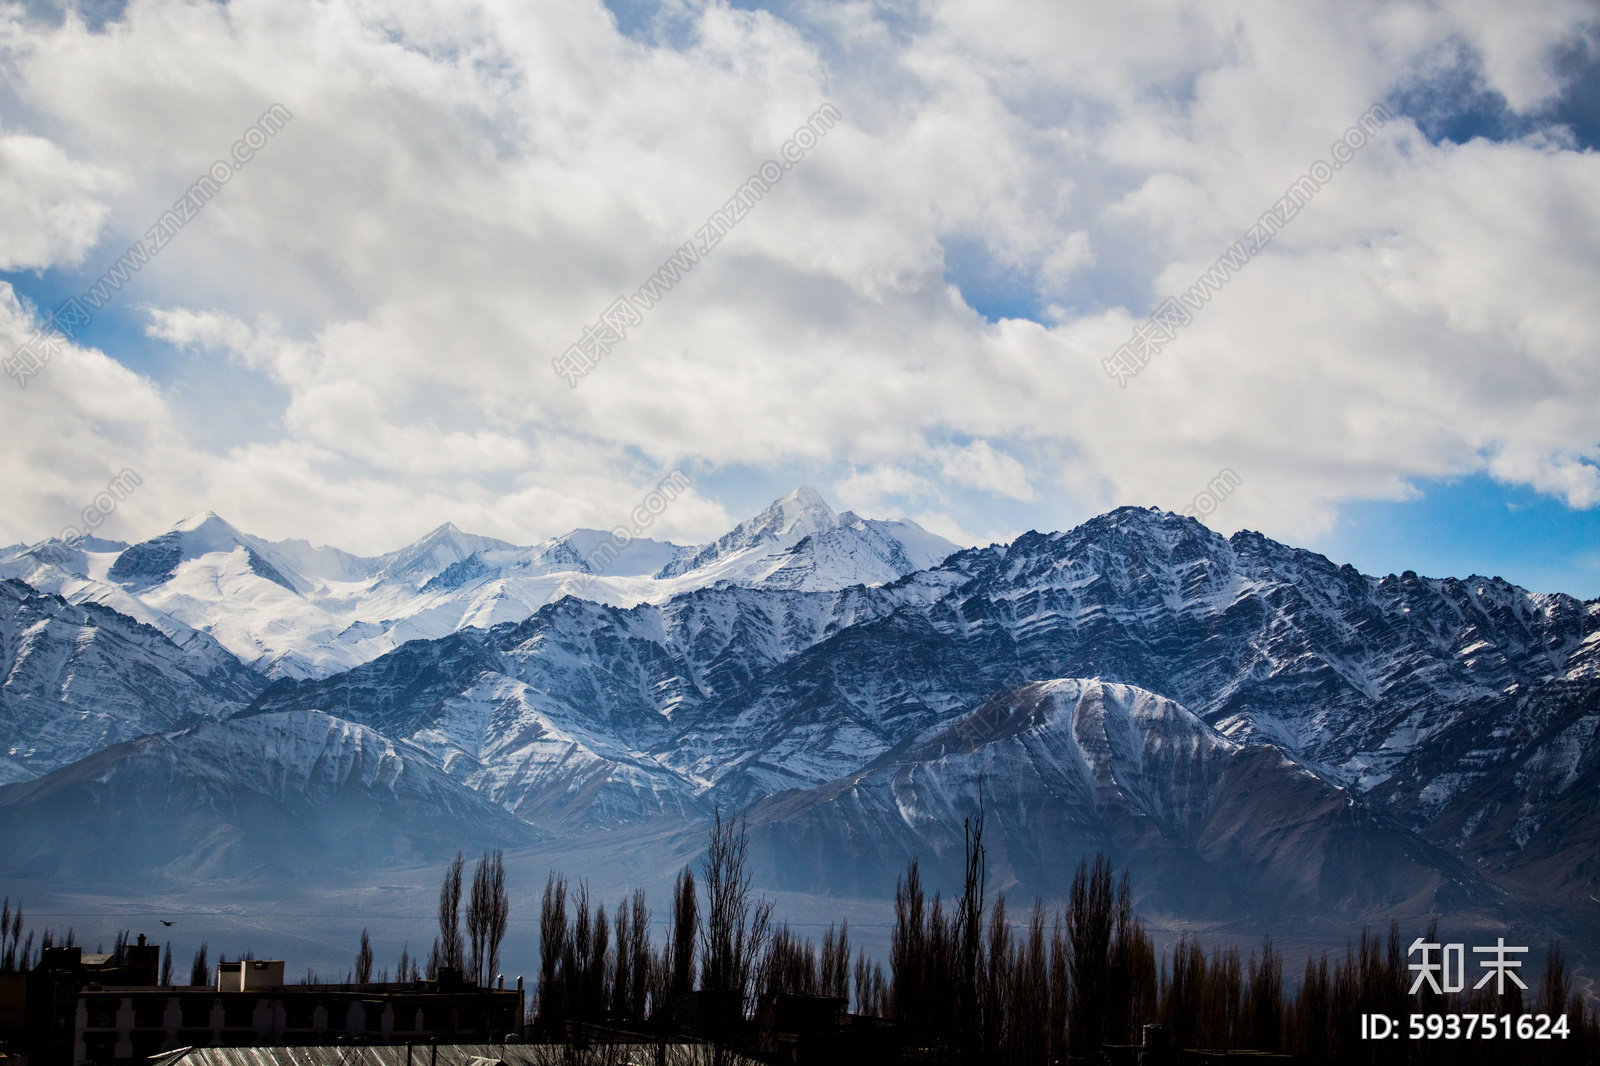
447	1055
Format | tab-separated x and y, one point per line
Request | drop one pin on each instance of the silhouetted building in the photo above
87	1008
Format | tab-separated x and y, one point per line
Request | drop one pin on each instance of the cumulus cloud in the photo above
980	466
50	212
464	187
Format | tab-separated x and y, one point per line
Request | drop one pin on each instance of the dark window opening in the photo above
148	1044
239	1013
197	1012
299	1015
100	1047
150	1012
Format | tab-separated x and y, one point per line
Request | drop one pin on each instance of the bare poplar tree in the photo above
199	971
1090	923
1266	998
487	911
597	992
639	968
685	930
622	962
450	953
736	930
364	960
968	931
577	960
907	947
553	948
835	963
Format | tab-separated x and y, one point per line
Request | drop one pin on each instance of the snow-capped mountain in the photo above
275	795
289	609
76	678
1388	688
800	543
1259	710
1209	827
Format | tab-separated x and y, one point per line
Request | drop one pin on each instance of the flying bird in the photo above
163	921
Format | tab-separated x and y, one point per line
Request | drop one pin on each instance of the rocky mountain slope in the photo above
76	678
288	609
1208	826
290	795
1251	726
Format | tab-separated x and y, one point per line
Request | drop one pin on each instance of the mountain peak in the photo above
446	530
803	497
156	560
435	552
204	522
801	511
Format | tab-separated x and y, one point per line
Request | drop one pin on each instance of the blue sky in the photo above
351	341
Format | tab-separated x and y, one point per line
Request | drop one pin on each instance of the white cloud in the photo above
464	186
869	491
980	466
49	211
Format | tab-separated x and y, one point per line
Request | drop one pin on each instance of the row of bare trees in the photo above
970	984
477	957
978	990
16	954
594	970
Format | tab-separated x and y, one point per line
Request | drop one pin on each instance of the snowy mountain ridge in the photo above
1182	700
289	609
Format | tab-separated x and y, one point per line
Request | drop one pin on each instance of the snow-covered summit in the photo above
419	562
291	609
800	542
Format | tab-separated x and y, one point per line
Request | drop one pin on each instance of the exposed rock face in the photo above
283	795
76	678
1209	827
1246	725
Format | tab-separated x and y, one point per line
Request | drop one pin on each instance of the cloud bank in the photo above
917	315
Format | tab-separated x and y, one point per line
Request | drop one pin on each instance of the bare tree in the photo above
872	991
736	929
685	930
166	966
968	931
364	960
199	971
553	947
907	947
835	962
997	982
576	962
1090	922
1060	984
10	936
488	909
1266	998
450	953
622	963
639	968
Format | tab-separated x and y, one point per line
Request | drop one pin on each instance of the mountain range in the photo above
1251	729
